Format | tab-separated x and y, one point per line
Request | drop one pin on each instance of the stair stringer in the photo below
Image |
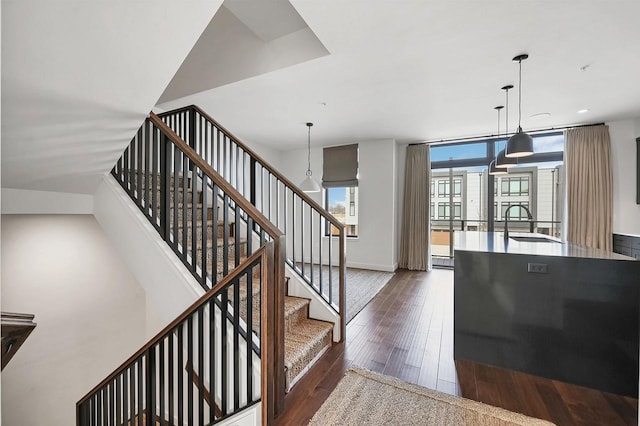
167	283
318	307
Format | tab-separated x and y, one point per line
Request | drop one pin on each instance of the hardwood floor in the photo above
406	331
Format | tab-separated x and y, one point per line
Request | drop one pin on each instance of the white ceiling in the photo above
78	78
423	70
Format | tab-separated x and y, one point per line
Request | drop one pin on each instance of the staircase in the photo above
306	339
234	222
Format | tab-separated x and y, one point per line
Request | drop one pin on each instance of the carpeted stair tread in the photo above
303	344
296	309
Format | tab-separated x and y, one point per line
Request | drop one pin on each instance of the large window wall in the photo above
480	200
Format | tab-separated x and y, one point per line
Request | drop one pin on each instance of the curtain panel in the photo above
415	234
589	187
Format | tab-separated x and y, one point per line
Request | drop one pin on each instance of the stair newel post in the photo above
269	367
165	185
278	321
342	283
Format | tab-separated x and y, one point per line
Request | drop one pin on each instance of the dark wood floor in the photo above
407	332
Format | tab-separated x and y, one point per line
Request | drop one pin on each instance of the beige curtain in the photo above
415	245
589	187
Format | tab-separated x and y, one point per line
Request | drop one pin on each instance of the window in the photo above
342	203
443	188
432	210
515	213
512	186
433	189
444	211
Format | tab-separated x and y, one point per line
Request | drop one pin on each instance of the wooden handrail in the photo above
249	208
235	273
294	188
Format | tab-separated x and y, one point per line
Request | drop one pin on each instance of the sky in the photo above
551	143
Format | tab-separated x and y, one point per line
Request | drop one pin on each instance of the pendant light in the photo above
493	168
308	184
502	160
520	144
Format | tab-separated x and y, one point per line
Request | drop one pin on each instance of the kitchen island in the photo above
547	308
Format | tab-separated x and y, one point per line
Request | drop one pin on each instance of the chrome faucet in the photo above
506	219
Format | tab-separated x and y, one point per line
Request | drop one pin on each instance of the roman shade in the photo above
340	166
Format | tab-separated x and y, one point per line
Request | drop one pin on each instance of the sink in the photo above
528	239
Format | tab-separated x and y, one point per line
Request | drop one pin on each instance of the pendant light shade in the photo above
309	184
493	170
502	160
520	144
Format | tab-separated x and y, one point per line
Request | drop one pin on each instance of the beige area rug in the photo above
366	398
361	285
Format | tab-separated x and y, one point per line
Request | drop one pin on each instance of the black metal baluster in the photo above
223	345
311	244
170	362
100	417
118	393
236	344
277	203
218	150
215	264
132	393
139	165
194	221
236	236
161	389
205	227
201	366
249	339
127	169
224	157
185	205
165	188
192	366
141	391
150	394
293	229
320	251
180	378
302	261
262	189
147	184
157	150
176	198
212	360
225	238
125	396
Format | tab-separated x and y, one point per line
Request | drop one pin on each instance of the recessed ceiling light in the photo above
582	111
540	116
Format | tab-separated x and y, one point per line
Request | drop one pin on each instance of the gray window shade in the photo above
340	166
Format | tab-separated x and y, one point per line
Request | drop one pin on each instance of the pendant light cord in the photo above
309	150
506	119
520	95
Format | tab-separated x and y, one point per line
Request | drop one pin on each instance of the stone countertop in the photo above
493	242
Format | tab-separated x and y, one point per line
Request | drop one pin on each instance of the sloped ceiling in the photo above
416	70
246	38
78	78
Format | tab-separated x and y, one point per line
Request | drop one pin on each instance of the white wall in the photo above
89	309
21	201
626	213
375	246
169	285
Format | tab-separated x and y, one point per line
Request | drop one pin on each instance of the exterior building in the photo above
539	189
